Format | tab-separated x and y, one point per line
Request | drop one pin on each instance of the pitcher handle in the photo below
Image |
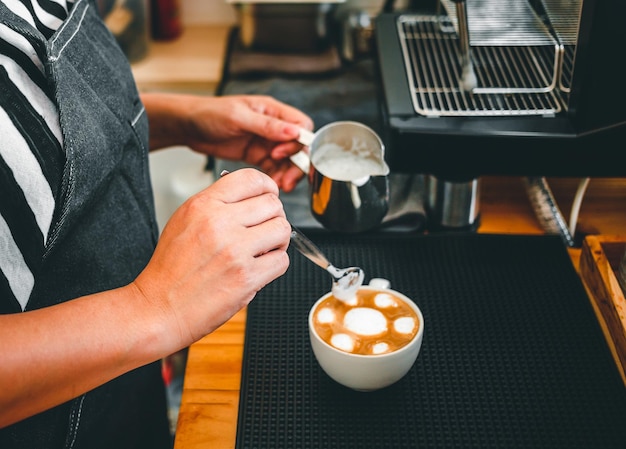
306	137
301	160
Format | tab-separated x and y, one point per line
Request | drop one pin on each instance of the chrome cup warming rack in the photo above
522	62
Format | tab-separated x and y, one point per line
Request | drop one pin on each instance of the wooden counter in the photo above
191	63
208	413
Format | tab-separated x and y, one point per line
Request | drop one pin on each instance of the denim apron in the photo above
103	232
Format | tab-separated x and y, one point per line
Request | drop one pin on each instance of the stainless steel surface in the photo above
468	77
346	281
523	62
308	249
512	81
497	23
344	201
453	204
532	114
564	17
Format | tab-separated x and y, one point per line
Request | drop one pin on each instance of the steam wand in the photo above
468	79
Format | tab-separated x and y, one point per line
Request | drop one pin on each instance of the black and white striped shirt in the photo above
31	148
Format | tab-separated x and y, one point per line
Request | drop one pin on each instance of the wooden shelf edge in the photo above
599	261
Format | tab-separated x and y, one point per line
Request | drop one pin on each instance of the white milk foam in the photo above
404	325
365	321
384	300
326	315
343	164
343	342
374	323
380	348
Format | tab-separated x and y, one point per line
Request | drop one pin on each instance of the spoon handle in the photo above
308	249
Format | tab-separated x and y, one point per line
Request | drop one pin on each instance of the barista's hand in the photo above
255	129
218	249
216	252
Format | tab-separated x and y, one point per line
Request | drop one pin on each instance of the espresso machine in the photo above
501	87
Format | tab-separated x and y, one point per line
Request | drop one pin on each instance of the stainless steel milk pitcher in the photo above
348	183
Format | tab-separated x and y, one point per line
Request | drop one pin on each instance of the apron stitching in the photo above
74	428
64	24
54	233
54	58
138	116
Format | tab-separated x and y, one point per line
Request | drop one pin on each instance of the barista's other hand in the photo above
255	129
215	253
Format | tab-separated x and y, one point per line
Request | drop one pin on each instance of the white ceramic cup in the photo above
367	372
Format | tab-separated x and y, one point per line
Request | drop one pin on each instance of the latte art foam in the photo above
365	321
346	163
374	323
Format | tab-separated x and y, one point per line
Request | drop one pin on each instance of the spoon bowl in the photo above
346	281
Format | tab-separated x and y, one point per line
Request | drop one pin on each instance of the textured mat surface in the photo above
512	355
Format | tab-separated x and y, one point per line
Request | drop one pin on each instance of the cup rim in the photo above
346	122
369	129
405	348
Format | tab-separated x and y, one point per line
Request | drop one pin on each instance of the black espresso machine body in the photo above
568	119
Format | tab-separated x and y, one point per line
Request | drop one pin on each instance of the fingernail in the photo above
292	130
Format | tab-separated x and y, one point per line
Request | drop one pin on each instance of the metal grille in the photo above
516	62
564	16
502	22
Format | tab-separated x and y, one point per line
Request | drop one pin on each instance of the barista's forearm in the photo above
52	355
166	113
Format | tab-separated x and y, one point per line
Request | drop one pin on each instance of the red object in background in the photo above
167	370
166	19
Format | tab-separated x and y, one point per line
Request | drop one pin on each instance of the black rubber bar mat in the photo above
512	356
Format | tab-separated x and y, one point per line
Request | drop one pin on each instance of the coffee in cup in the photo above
369	341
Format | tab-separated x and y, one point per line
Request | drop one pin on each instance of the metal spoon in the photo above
346	281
